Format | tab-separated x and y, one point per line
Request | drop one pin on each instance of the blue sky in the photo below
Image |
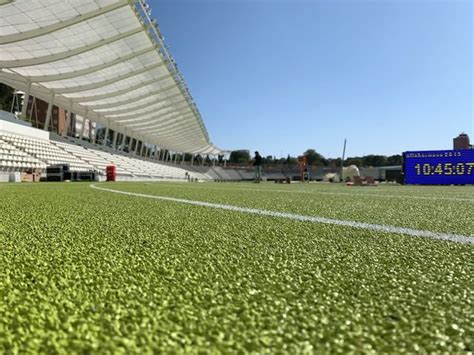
281	76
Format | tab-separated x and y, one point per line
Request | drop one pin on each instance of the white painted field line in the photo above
364	194
360	225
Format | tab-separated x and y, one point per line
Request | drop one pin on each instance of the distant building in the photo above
462	142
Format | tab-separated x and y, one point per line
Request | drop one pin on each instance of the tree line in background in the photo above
314	158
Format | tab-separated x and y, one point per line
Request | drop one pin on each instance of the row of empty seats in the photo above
46	152
13	159
127	164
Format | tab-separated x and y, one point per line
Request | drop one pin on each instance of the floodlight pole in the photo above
343	156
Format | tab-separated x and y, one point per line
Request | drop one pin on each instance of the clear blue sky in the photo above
281	76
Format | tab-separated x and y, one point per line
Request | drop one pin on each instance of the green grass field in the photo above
91	271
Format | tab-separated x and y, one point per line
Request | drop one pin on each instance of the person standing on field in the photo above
257	163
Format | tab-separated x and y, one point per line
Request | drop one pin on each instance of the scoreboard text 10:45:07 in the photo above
448	169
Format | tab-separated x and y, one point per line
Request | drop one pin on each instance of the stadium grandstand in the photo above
103	62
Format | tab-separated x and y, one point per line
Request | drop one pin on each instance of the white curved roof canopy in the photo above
104	60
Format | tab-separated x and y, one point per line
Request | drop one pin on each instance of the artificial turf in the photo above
89	271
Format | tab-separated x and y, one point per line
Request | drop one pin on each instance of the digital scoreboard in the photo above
439	167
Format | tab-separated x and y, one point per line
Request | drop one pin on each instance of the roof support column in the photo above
192	159
214	160
114	142
106	135
33	106
83	128
68	119
130	145
49	112
94	136
136	147
26	98
122	145
141	150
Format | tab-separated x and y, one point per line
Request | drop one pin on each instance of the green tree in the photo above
395	160
239	156
314	158
359	161
291	160
375	160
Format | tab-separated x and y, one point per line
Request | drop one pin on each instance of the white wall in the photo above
15	128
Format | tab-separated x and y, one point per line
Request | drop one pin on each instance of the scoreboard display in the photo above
439	167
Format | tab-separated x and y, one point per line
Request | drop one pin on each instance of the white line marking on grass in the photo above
364	194
360	225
